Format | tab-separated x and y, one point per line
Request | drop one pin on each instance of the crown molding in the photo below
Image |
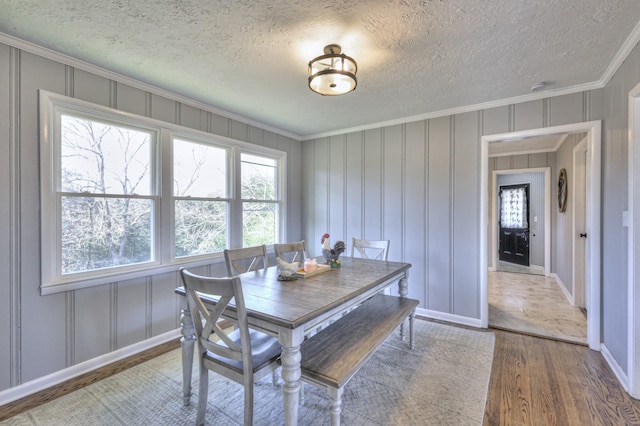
622	54
111	75
461	110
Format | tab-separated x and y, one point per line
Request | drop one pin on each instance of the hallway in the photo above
534	305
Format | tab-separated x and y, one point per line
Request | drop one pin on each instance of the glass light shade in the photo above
333	73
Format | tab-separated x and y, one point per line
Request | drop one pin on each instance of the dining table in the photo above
290	310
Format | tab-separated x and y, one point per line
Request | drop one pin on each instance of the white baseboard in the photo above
568	295
537	269
45	382
615	367
456	319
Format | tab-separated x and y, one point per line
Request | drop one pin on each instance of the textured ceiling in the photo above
250	57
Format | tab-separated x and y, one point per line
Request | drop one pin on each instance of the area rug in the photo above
443	382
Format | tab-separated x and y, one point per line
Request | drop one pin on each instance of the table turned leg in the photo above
290	341
187	342
403	290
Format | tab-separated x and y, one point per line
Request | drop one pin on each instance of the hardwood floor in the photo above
537	381
535	305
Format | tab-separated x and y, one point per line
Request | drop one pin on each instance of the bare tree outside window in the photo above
105	195
259	206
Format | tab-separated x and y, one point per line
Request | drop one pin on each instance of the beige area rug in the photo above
443	382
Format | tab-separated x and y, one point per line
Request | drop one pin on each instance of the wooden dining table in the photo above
291	309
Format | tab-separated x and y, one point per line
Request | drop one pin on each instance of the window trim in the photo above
50	107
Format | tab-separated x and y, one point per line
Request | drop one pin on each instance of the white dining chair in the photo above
246	259
292	252
370	249
242	355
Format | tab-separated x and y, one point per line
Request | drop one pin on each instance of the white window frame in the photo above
52	105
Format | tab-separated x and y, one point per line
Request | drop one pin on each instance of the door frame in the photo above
633	223
579	224
547	214
593	130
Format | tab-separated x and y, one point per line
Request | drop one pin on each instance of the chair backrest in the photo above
292	252
247	259
370	249
206	321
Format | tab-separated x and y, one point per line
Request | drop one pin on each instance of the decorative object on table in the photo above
287	271
319	269
331	253
310	265
562	190
335	263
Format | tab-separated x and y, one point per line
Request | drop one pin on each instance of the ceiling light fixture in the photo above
333	73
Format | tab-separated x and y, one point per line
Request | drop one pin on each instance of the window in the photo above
106	194
200	194
124	196
259	200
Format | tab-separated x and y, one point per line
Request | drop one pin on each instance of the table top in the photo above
292	304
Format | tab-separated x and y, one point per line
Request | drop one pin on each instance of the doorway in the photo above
513	234
593	130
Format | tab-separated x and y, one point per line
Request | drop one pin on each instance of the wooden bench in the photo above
332	357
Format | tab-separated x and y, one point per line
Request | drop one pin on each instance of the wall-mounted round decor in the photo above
562	190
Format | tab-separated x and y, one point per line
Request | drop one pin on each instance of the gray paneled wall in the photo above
417	184
44	334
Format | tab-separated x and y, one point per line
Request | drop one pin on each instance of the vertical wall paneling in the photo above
132	312
336	190
393	190
256	136
92	328
495	120
566	109
466	204
35	310
322	200
270	140
415	202
163	109
308	191
190	117
164	314
528	115
90	87
439	212
354	187
294	186
9	217
373	184
130	99
80	325
219	125
239	131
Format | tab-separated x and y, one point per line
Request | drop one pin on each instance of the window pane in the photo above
201	227
104	232
258	224
199	170
258	178
104	159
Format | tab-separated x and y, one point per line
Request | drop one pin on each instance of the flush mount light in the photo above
333	73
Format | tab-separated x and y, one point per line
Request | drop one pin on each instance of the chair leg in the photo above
275	377
248	401
203	394
301	401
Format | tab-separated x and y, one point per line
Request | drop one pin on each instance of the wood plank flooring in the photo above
538	381
535	305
